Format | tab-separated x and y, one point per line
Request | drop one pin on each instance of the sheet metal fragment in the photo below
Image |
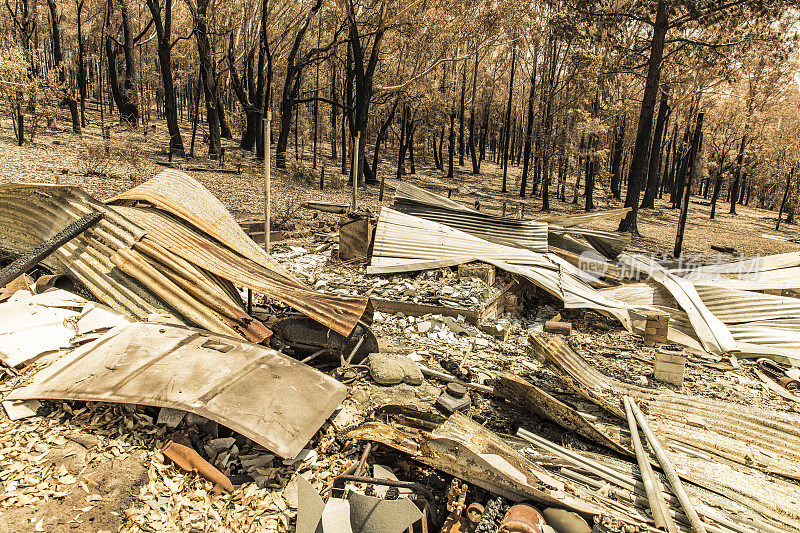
275	401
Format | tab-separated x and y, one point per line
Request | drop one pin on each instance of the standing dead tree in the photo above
58	59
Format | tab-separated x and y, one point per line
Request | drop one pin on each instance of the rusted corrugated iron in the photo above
737	450
178	193
167	232
33	213
179	271
102	259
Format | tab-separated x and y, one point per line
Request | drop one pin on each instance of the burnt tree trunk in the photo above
334	108
507	124
58	59
401	155
208	78
528	132
737	174
81	62
379	138
461	116
451	145
717	188
648	201
291	88
164	35
687	189
616	160
783	201
637	170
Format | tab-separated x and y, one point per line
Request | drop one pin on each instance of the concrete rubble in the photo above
494	387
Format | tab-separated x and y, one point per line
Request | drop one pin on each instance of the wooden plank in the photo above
414	266
418	309
496	305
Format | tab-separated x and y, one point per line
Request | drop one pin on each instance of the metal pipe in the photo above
657	505
363	460
601	470
669	470
452	379
422	489
346	362
29	260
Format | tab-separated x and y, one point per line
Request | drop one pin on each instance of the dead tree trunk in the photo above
528	131
207	75
379	138
164	35
783	201
649	199
451	145
508	116
636	172
737	174
687	190
461	116
717	187
58	59
81	62
475	163
401	155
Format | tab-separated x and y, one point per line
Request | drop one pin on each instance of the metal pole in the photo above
355	169
669	470
658	506
267	179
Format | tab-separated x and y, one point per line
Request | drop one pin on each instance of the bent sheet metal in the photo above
273	400
467	450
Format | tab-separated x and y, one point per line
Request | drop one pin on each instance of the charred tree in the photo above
528	132
648	201
616	160
58	59
163	25
636	172
291	86
783	201
476	169
507	124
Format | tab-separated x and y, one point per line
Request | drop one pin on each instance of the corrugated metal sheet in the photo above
568	221
711	331
738	306
33	213
118	263
94	257
527	233
337	312
276	401
178	193
406	191
731	432
532	234
404	237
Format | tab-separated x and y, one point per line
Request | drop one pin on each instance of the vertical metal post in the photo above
267	178
355	168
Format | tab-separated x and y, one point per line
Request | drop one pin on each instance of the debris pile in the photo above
477	374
